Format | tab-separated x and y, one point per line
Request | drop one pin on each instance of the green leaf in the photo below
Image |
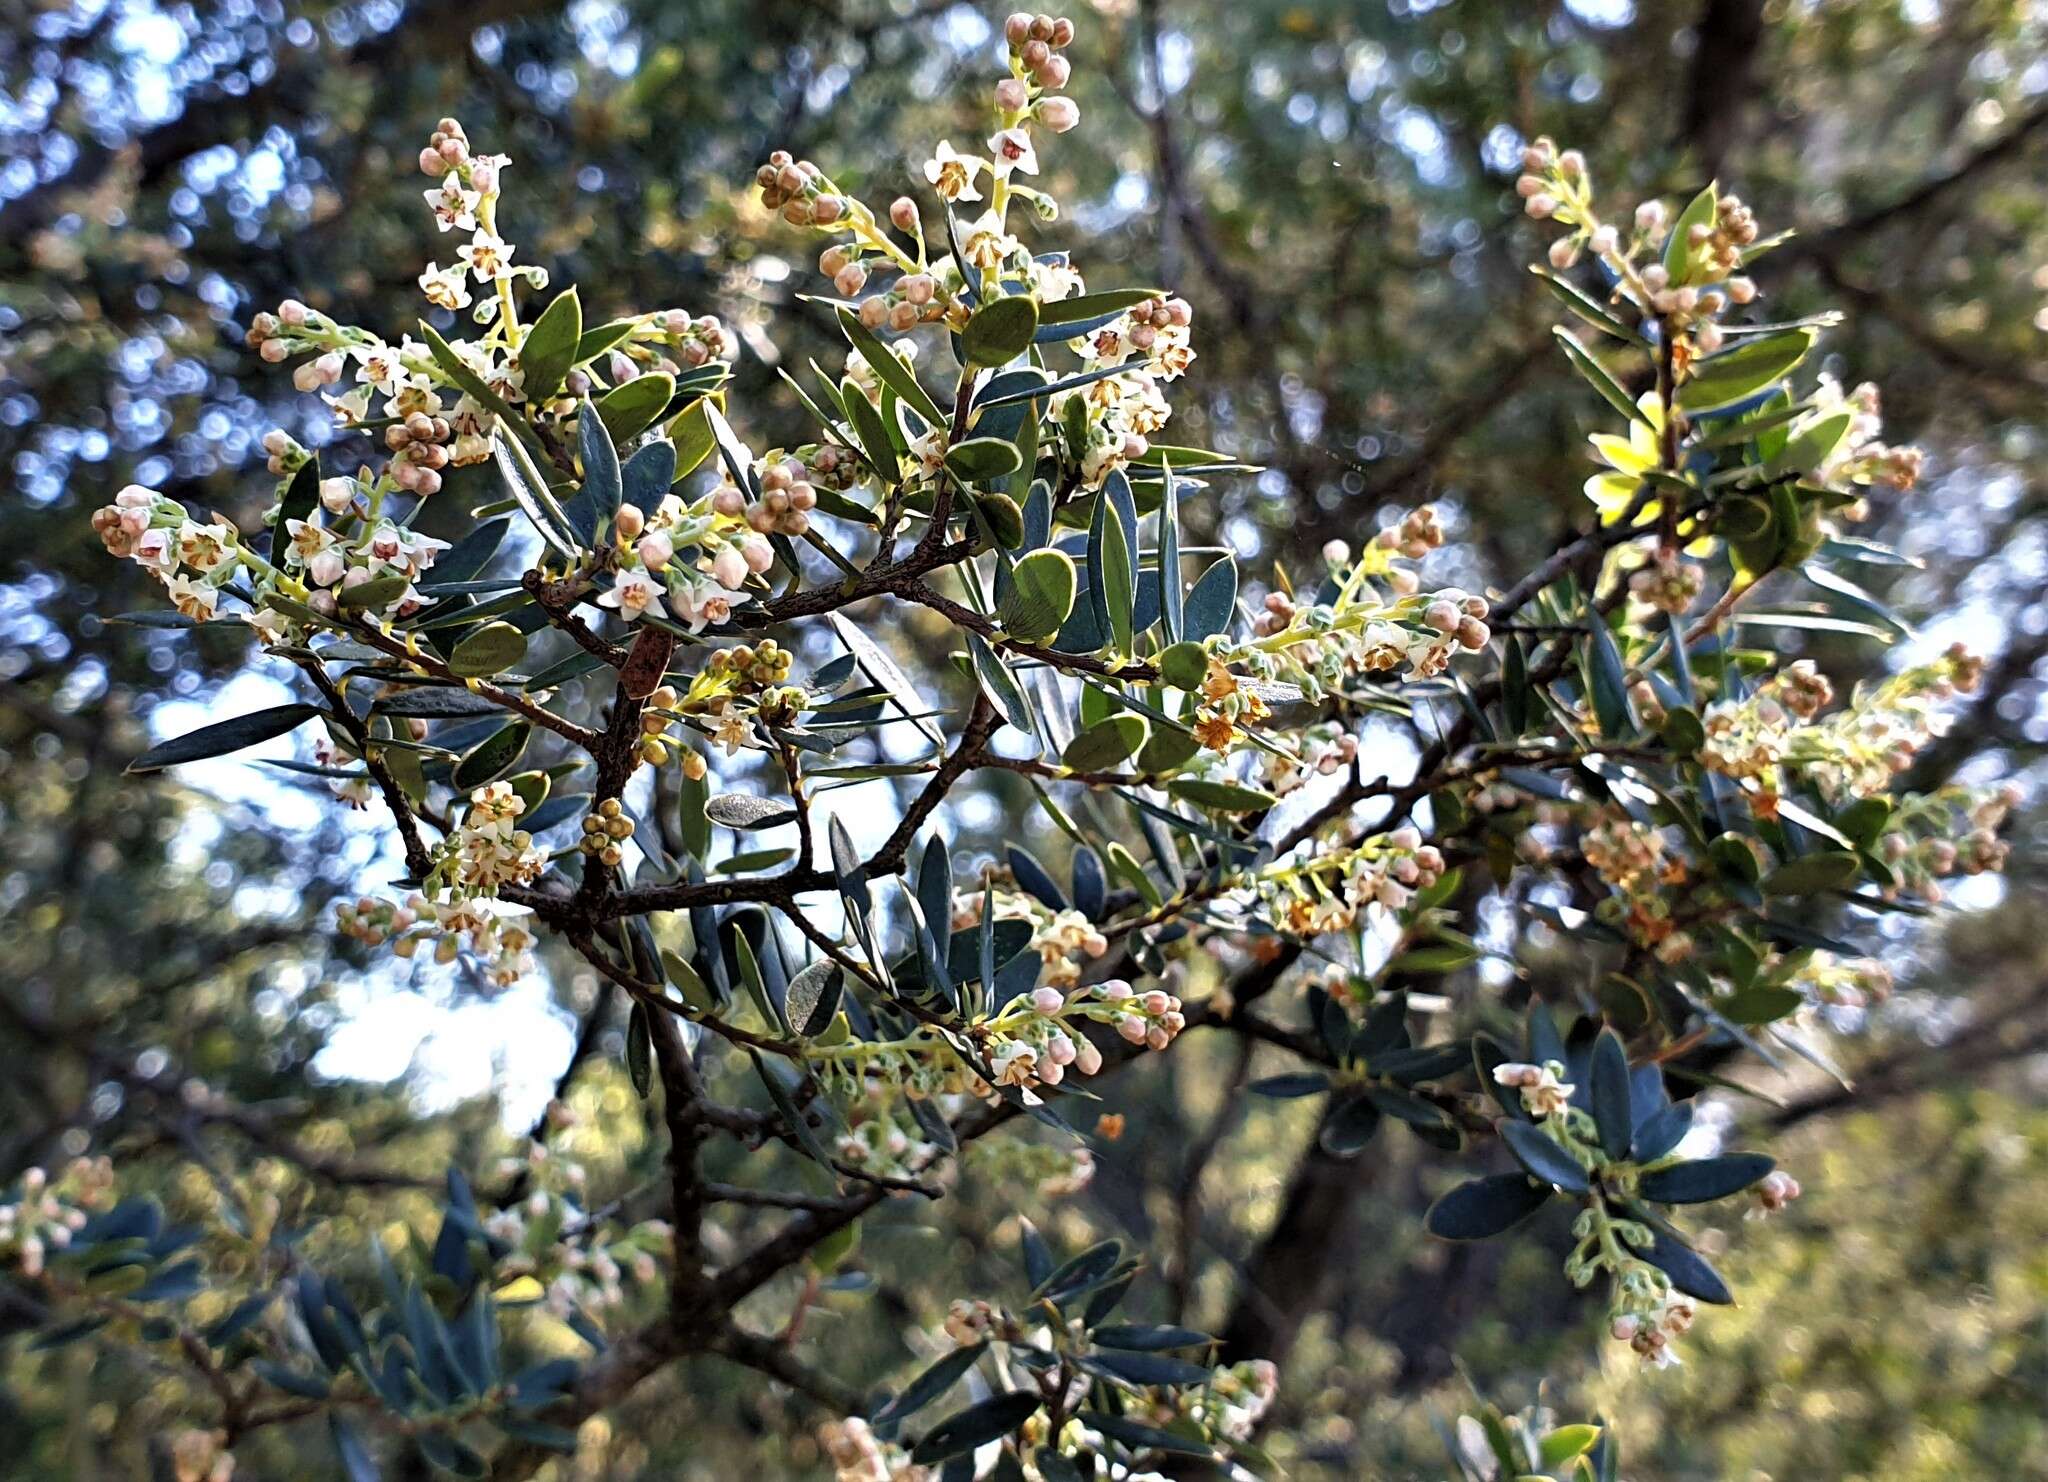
883	670
224	736
1811	873
1172	601
977	1425
491	649
373	595
1811	446
1738	374
640	1050
607	336
741	811
1093	305
1608	681
1484	1207
603	484
1609	1095
1678	253
1040	597
1682	730
463	375
1705	1179
1113	570
690	430
550	347
1545	1158
1106	743
983	460
631	409
1597	376
1566	1442
1000	684
523	481
1583	304
1184	666
1221	797
1212	602
693	823
872	435
813	997
491	757
999	331
893	373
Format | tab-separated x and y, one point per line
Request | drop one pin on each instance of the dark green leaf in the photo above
1705	1179
224	736
1485	1207
1538	1152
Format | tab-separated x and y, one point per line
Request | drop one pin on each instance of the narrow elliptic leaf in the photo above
883	670
1222	797
999	331
492	757
1688	1272
373	595
1040	595
1538	1152
1678	255
1290	1085
892	372
1738	374
1609	681
1485	1207
814	997
1107	742
935	883
1172	599
929	1385
1610	1095
648	474
1705	1179
1811	873
224	736
1032	876
549	348
983	460
603	484
1348	1128
629	410
999	684
491	649
640	1050
1212	602
469	555
1664	1130
1597	377
977	1425
741	811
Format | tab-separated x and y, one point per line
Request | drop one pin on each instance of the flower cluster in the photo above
692	562
1330	890
1319	646
1648	1326
1634	860
1064	940
577	1261
1775	735
497	936
42	1214
858	1456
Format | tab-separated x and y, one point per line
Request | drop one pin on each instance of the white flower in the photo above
445	288
634	594
489	256
953	175
1012	150
454	208
193	598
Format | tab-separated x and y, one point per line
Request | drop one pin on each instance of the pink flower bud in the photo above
1013	95
729	568
1048	1001
655	550
1059	113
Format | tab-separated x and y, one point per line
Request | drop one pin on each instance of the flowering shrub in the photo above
650	631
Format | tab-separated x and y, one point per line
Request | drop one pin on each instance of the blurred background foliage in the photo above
1330	184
